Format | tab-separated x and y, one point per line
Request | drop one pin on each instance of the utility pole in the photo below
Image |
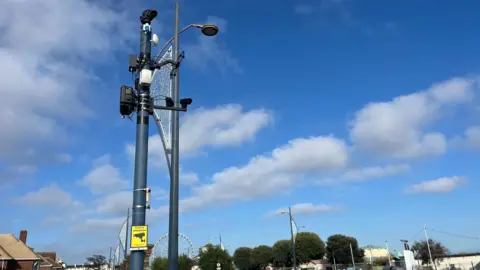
428	246
174	173
293	238
110	259
334	262
388	252
351	252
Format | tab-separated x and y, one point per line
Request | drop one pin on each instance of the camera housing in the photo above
148	15
184	102
127	100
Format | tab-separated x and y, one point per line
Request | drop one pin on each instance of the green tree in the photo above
282	253
339	245
308	246
184	263
96	261
243	258
210	255
438	250
261	256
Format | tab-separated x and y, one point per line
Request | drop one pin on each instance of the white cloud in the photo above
115	203
375	172
470	138
307	209
103	177
399	128
209	50
269	174
222	126
51	196
96	224
188	178
44	76
440	185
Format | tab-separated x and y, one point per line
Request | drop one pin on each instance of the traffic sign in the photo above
139	238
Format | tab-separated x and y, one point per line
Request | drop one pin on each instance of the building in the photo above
315	265
375	253
459	261
48	261
15	254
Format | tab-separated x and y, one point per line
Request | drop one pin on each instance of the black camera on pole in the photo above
127	100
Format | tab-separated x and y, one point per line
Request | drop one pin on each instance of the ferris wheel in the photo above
160	249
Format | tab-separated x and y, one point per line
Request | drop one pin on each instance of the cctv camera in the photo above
185	102
148	15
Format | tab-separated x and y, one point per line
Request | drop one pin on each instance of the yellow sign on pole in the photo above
139	238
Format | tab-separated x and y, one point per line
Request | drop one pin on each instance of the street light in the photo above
208	30
292	223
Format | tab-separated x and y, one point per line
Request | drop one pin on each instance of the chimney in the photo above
23	236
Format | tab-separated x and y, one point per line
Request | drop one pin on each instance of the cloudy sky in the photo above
363	116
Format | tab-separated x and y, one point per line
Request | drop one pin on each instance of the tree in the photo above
438	250
339	245
243	258
282	253
184	263
308	246
210	255
261	257
96	261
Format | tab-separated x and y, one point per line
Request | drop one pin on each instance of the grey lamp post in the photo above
208	30
292	221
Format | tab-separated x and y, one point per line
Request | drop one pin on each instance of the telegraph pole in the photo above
428	246
293	239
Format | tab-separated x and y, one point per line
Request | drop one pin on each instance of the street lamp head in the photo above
209	30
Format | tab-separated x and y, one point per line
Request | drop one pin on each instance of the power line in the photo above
415	236
456	235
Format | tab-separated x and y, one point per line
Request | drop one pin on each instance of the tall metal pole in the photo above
126	235
334	261
351	252
137	257
293	239
428	246
388	253
174	176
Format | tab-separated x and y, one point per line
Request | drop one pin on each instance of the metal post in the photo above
109	259
293	239
334	262
428	246
137	257
174	175
351	252
388	252
126	235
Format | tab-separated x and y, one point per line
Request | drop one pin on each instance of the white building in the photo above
464	261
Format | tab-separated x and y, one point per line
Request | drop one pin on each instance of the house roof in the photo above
48	259
13	249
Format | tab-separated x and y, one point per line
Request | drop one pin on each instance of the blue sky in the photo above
361	115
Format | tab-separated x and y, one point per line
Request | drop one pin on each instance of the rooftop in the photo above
13	249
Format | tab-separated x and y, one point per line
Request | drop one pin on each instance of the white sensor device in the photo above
155	39
145	77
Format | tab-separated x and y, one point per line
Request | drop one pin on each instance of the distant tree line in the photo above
308	246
